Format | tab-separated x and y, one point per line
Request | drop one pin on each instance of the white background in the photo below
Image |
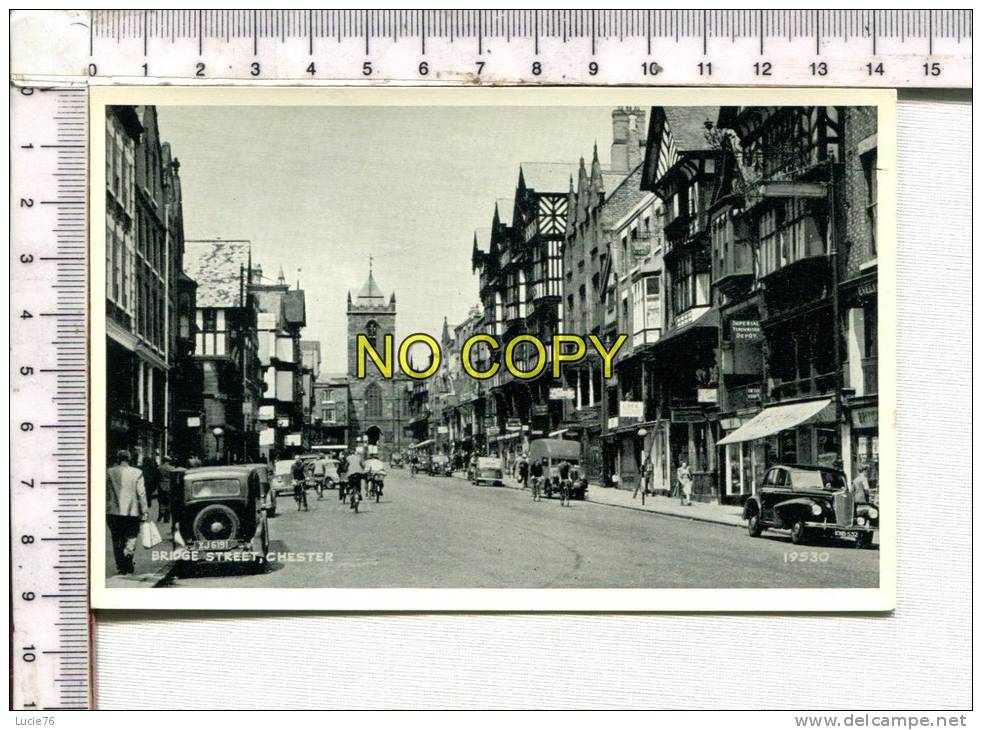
917	657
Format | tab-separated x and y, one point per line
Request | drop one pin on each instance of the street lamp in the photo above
218	432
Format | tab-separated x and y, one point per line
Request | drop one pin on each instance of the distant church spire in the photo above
282	277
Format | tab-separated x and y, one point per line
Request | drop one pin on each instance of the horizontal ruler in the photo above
882	48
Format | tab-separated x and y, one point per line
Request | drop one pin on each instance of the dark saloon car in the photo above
222	514
810	501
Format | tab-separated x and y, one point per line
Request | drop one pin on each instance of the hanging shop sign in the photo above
708	395
267	413
283	423
513	424
631	409
753	394
292	439
442	429
562	394
745	330
688	415
194	421
540	409
868	417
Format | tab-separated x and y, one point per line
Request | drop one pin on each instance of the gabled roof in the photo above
482	240
687	125
217	266
504	208
547	177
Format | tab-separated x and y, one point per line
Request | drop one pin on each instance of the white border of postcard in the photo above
882	598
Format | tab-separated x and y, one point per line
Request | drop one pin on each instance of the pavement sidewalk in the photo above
147	571
720	514
723	514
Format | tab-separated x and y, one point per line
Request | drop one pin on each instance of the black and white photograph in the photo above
634	341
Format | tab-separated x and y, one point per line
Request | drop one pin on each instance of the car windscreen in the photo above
201	488
816	479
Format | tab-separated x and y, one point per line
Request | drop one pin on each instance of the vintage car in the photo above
222	514
552	452
440	466
810	501
489	471
396	460
283	476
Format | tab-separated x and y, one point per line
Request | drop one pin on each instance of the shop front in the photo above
791	433
865	446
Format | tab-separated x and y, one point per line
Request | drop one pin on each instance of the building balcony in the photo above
802	388
740	397
735	272
868	371
648	336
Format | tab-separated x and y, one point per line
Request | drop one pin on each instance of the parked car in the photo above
283	476
396	461
488	471
440	466
222	510
810	501
553	452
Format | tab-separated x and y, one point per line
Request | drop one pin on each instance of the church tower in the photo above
369	314
379	407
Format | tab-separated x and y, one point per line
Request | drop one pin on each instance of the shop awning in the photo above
421	444
774	420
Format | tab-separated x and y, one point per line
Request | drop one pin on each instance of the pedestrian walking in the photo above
684	476
126	507
644	479
535	470
164	494
523	472
151	478
860	486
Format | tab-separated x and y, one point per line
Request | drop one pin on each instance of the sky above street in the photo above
322	188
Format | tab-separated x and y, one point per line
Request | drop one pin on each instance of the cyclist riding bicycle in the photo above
413	465
356	471
319	473
565	483
299	492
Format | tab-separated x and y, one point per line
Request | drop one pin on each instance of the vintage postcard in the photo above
493	349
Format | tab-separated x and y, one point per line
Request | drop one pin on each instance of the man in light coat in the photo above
126	507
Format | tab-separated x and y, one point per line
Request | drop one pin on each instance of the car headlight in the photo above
872	513
816	509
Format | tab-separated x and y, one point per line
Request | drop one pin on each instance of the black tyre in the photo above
863	540
754	527
798	532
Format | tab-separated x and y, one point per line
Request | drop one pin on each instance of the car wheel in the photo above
798	532
754	528
863	540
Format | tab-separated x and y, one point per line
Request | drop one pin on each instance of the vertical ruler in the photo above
50	646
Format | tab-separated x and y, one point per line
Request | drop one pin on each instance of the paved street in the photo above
432	532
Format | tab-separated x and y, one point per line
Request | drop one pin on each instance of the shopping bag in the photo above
149	534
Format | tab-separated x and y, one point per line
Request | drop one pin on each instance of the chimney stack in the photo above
630	130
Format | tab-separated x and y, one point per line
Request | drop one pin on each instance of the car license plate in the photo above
215	544
846	533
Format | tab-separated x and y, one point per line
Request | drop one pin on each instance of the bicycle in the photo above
566	492
300	495
354	487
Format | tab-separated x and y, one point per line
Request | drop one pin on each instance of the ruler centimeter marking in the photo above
50	640
800	47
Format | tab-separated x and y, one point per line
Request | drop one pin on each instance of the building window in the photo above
869	171
371	332
210	339
690	286
373	401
